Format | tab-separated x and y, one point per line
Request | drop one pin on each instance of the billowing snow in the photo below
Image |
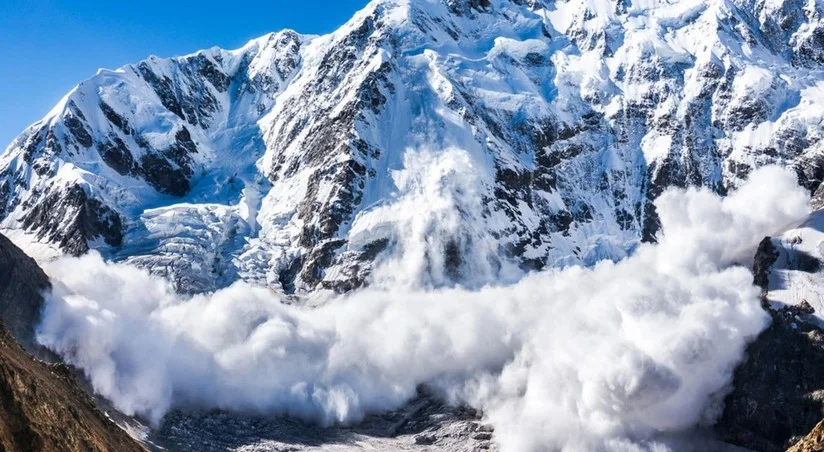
604	358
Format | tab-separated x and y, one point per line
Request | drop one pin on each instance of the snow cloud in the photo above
572	359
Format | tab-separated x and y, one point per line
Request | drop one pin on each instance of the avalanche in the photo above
537	208
601	358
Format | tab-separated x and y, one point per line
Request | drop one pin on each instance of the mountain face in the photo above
502	136
776	397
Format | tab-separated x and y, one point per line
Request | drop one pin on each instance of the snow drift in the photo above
572	359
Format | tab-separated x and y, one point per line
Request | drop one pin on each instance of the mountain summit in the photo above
486	137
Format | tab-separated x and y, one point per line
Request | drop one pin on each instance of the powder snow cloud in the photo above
572	359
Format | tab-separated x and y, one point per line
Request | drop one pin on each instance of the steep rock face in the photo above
42	407
778	394
778	390
22	283
480	138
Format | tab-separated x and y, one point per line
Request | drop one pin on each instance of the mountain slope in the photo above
455	141
43	408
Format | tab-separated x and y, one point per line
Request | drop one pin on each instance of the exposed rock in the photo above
43	408
163	176
765	257
813	442
778	393
22	284
115	153
71	218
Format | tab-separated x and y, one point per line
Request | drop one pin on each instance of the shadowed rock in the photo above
778	391
42	406
21	285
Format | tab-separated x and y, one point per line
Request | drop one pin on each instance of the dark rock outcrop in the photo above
42	406
71	218
779	389
765	257
21	285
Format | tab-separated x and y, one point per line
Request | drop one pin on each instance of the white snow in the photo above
517	64
579	359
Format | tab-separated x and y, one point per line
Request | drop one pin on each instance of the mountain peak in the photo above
293	160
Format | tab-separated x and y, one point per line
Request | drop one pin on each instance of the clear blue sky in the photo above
48	46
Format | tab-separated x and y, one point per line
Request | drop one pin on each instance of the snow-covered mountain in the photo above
485	138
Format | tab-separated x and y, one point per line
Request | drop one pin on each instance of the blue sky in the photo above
51	45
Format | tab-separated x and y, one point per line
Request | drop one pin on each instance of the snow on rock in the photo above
515	134
797	272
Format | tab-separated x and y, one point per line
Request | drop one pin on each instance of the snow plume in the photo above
435	225
601	358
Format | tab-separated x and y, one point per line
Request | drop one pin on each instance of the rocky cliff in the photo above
22	283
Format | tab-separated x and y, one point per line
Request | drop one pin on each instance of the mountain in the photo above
776	399
506	135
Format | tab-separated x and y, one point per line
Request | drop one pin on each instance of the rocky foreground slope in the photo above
22	283
43	408
778	395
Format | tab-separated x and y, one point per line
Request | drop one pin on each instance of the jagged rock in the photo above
778	393
42	406
813	442
765	257
71	218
